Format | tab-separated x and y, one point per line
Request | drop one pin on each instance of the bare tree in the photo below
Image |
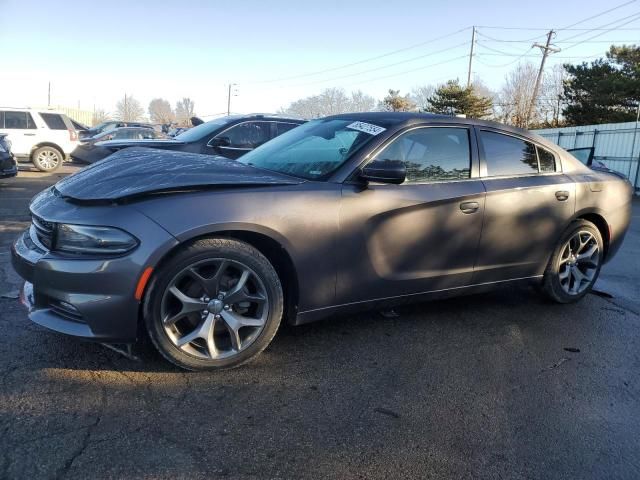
361	102
184	111
129	109
160	111
515	96
330	102
420	96
482	90
99	116
551	96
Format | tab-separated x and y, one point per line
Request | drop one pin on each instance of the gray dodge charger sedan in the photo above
353	211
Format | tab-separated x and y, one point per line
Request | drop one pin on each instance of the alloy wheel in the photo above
48	159
579	262
214	309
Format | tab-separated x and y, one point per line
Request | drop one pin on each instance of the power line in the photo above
381	67
413	70
605	26
637	17
366	60
519	57
598	15
538	56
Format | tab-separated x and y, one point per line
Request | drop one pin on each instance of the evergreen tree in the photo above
605	91
452	99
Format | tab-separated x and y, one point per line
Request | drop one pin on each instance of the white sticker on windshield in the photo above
366	128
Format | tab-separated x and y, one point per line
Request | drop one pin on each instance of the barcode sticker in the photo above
366	128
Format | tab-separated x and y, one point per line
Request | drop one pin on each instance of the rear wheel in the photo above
46	159
575	264
216	304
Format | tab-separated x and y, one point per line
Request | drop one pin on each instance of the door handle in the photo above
29	134
562	195
469	207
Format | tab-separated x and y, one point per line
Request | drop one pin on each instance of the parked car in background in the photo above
8	164
586	157
344	213
88	152
110	125
45	137
78	126
230	136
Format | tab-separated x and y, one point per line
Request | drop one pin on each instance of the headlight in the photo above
88	239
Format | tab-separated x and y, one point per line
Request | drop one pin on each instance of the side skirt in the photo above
380	303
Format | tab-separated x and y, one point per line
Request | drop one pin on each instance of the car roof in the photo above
262	116
31	109
408	118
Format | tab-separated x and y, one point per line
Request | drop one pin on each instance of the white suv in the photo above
45	137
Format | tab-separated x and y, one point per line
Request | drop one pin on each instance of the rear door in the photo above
528	205
57	130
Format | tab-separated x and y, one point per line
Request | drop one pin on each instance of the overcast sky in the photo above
94	52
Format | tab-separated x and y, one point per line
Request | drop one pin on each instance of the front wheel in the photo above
575	264
216	304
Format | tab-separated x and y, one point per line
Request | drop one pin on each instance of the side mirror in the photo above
220	142
385	171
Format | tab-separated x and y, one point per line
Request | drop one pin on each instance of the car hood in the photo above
140	171
118	144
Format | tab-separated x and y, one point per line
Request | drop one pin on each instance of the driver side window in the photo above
248	135
432	154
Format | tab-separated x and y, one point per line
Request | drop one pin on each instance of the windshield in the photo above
204	129
313	150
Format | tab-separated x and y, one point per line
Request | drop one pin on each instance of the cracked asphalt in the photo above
500	385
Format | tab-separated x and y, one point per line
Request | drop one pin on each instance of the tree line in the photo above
603	91
129	109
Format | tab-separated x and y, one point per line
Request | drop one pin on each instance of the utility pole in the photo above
473	42
231	85
125	113
545	53
49	95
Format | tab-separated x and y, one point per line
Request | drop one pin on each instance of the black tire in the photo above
552	284
47	159
193	254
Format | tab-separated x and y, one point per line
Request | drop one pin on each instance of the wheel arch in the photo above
601	224
46	144
273	249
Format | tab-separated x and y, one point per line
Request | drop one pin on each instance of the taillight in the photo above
73	135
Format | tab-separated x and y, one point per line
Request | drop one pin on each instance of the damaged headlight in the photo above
89	239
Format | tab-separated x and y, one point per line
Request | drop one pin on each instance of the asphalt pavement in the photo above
499	385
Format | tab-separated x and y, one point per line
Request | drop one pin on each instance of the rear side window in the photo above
507	155
547	160
54	121
282	127
18	120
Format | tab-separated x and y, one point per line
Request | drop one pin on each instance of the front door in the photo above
529	203
421	235
241	139
21	130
